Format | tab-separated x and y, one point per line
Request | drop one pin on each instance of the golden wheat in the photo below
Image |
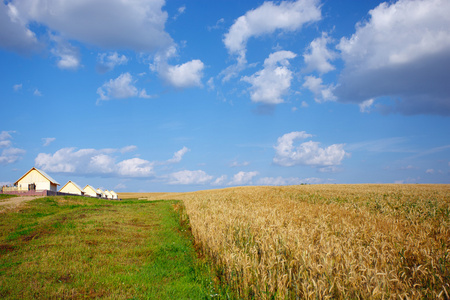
326	241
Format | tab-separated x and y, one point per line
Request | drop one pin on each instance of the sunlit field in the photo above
325	241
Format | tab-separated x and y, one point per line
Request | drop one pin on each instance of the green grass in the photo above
6	196
74	247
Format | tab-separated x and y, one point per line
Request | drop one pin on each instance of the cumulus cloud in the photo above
307	153
94	162
318	56
179	76
9	153
135	167
119	88
243	178
37	93
322	92
105	162
220	180
108	61
266	19
185	75
401	51
189	177
14	32
68	55
272	82
135	25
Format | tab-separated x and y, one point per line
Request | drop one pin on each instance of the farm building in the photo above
36	180
102	193
90	191
108	194
114	195
72	188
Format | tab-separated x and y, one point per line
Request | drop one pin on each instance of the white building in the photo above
102	193
114	195
72	188
36	180
90	191
108	194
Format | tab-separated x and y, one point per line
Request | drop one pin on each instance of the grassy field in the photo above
325	241
74	247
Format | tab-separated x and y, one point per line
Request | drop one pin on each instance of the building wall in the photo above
90	192
70	189
40	181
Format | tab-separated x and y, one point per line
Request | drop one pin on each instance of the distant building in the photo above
36	180
108	194
72	188
102	193
114	195
90	191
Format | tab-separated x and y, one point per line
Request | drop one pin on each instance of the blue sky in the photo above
151	96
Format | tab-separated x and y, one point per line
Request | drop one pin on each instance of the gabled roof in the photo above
76	185
89	186
42	173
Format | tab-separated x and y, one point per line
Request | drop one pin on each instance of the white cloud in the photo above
108	61
47	141
9	154
68	55
143	94
220	180
105	162
119	88
135	167
181	10
307	153
272	82
266	19
321	92
190	177
135	25
401	51
178	155
318	56
366	105
185	75
243	178
37	93
5	139
14	33
93	161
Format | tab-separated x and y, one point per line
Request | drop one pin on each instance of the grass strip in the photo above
74	247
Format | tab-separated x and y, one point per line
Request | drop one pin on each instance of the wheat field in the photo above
325	241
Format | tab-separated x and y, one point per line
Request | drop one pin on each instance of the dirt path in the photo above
15	202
